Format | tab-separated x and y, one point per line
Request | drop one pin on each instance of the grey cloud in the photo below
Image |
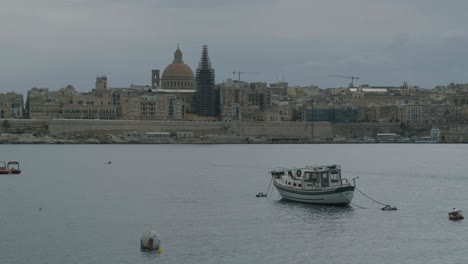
56	42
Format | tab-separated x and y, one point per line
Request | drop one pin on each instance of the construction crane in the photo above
239	74
351	84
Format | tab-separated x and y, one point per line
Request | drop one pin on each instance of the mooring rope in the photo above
369	197
269	187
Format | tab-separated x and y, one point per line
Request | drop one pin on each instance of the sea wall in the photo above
353	130
309	131
59	127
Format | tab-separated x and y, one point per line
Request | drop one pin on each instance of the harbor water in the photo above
70	206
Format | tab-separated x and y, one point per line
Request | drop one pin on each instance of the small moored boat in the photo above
313	184
12	167
455	215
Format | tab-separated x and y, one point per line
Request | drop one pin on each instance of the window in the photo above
325	179
334	177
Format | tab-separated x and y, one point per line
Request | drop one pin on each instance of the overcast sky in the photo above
53	43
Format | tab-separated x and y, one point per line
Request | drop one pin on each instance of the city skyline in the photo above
55	43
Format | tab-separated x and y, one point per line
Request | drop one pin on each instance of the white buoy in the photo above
150	241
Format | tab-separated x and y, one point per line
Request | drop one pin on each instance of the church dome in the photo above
177	70
178	75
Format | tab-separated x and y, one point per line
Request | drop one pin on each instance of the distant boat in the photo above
12	167
455	215
314	184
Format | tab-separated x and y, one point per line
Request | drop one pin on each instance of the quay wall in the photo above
314	131
58	127
352	130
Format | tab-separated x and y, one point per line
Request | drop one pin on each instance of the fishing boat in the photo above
12	167
314	184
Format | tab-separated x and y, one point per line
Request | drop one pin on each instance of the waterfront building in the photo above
243	101
89	111
206	94
455	134
68	104
40	104
44	110
177	80
127	101
278	113
11	106
334	114
431	114
161	107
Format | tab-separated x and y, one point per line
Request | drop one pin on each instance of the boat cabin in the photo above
324	176
3	166
314	177
12	167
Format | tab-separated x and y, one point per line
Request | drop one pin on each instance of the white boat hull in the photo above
339	196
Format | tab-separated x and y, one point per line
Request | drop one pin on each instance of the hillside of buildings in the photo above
188	107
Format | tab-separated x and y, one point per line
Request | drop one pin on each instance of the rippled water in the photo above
69	206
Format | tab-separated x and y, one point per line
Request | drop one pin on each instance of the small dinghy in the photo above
261	194
12	167
389	208
455	215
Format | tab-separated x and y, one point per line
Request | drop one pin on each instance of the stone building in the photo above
161	107
431	114
40	104
178	80
11	106
243	101
68	104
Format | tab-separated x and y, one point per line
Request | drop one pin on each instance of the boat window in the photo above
315	177
325	179
294	184
300	185
307	175
334	177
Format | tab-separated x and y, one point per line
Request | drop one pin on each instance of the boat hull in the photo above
10	172
337	196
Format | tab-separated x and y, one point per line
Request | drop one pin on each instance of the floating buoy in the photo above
389	208
455	215
150	241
